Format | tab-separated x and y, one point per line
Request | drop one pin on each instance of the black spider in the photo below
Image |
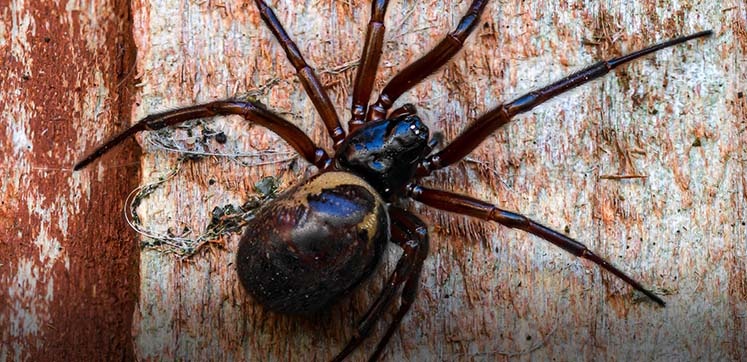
319	239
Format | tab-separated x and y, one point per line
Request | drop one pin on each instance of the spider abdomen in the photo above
314	243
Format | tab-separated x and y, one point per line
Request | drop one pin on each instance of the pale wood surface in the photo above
488	293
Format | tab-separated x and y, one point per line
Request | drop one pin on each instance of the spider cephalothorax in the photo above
385	152
321	237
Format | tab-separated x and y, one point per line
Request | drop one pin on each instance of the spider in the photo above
319	239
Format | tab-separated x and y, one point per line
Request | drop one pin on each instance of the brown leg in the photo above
251	112
369	61
429	63
306	75
478	131
411	234
466	205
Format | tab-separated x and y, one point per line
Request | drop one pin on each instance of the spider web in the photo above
226	219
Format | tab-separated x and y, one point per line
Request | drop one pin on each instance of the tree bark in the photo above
68	261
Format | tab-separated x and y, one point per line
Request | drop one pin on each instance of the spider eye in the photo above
409	130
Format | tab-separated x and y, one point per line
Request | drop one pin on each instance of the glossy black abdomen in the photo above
314	243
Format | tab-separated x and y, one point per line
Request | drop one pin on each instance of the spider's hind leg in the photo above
411	234
469	206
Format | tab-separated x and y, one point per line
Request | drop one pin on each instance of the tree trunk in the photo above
68	261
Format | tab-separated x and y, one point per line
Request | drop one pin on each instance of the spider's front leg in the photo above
306	74
469	206
428	63
369	61
411	234
489	122
250	111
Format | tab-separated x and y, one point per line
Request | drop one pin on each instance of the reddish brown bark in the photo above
68	262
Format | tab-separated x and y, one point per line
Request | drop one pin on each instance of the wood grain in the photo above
488	293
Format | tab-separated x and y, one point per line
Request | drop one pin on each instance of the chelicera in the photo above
319	239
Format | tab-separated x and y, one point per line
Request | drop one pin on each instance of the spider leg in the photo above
469	206
406	109
249	110
429	63
411	234
306	75
478	131
369	62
